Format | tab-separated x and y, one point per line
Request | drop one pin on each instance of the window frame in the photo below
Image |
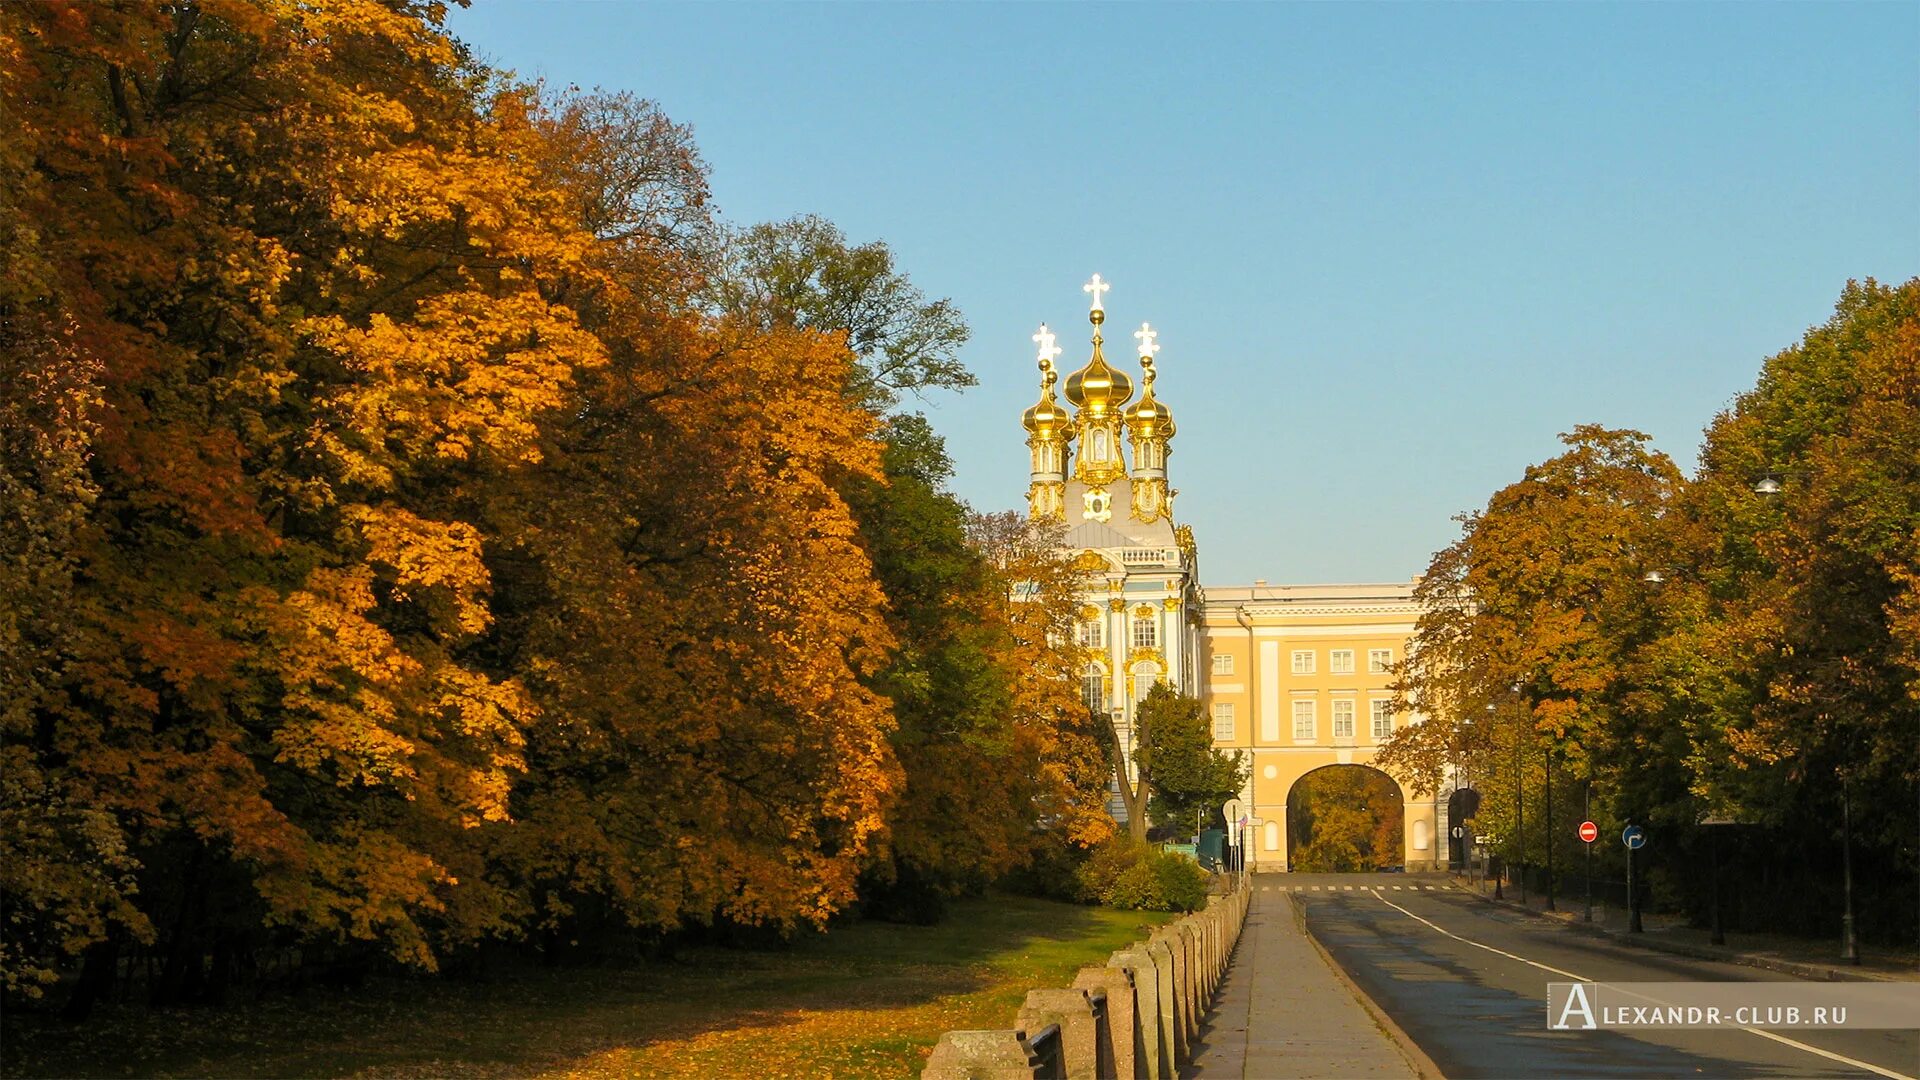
1335	718
1378	666
1223	668
1308	667
1379	709
1310	715
1334	657
1223	714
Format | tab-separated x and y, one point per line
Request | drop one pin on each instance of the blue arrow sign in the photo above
1634	837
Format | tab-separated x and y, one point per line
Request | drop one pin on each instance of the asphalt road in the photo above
1478	1013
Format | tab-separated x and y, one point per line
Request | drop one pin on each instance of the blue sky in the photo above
1392	249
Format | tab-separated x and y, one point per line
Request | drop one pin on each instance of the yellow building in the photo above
1298	676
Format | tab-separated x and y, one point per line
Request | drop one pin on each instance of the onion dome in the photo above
1097	389
1148	418
1046	419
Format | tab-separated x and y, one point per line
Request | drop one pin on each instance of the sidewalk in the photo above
1283	1011
1669	934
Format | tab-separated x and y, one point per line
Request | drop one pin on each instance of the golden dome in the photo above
1148	418
1046	418
1097	388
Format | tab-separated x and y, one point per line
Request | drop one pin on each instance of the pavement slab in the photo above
1282	1011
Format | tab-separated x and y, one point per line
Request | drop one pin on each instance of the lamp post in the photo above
1498	879
1520	790
1769	488
1849	946
1549	812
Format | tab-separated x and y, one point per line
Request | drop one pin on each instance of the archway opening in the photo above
1343	818
1461	806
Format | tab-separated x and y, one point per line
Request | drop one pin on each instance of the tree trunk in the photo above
1134	799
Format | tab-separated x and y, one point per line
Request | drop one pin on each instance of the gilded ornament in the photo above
1145	654
1117	604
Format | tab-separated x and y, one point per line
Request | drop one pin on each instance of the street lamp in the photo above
1768	488
1498	892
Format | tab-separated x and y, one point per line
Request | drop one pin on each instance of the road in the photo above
1422	949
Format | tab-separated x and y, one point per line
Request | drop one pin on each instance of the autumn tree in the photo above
1530	641
1799	605
1344	818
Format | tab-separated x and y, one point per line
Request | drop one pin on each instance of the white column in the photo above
1268	705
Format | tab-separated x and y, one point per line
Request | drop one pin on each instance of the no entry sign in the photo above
1589	832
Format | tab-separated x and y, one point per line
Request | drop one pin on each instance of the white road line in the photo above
1349	888
1396	888
1781	1039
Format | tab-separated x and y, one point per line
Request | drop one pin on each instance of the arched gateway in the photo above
1345	818
1300	677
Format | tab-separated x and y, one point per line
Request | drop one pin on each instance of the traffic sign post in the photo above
1635	838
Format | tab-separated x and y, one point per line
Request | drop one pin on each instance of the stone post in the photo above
1079	1034
1173	1031
981	1055
1122	1039
1153	1047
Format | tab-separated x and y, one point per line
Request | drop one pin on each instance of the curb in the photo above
1423	1066
1816	972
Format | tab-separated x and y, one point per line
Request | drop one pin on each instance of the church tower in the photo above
1140	602
1048	432
1150	425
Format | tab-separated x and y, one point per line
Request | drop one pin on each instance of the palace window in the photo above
1093	634
1222	663
1146	632
1223	721
1343	719
1145	674
1303	721
1093	688
1303	661
1379	661
1382	720
1340	661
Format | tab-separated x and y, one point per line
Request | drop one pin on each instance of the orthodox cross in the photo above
1048	350
1096	287
1149	340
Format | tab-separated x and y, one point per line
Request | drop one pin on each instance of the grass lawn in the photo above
867	1000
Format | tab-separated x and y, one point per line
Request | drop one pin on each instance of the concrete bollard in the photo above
1196	997
1122	1039
1173	1032
1153	1052
981	1055
1079	1028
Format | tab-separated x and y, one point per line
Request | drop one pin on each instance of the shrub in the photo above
1125	874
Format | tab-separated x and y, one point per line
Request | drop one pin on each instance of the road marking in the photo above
1781	1039
1396	888
1429	888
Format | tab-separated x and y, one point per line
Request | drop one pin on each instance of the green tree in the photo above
802	272
1180	773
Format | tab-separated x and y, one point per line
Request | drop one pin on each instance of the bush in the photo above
1125	874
